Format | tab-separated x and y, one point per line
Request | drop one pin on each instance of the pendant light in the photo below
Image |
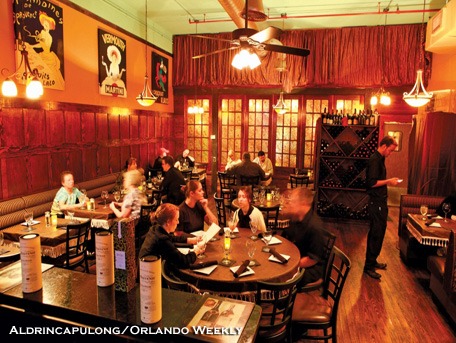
280	107
418	96
146	98
195	108
382	96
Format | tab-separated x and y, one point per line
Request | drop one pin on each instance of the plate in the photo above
10	251
275	259
248	271
206	270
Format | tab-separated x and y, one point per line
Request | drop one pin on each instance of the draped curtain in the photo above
432	163
343	57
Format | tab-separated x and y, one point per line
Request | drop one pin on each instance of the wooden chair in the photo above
76	247
276	301
299	181
271	216
330	239
155	199
227	187
319	312
221	211
172	282
143	226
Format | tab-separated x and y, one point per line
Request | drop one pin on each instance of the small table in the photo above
419	240
52	238
222	279
100	217
73	299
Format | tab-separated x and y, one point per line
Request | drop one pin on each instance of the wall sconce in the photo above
245	58
381	96
34	88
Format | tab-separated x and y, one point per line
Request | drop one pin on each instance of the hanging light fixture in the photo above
245	58
34	88
146	98
195	108
418	96
281	107
382	96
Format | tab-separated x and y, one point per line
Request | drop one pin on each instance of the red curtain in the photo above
342	57
432	152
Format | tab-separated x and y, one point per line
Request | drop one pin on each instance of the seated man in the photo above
231	161
265	164
185	158
247	168
173	182
157	166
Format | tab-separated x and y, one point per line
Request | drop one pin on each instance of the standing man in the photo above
265	164
378	210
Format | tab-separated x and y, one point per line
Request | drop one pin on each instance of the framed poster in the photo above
112	62
38	28
160	78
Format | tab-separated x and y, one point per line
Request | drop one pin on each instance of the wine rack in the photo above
342	154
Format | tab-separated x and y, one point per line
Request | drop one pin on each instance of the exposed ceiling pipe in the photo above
233	8
319	15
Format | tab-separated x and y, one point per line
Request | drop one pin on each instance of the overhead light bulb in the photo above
9	88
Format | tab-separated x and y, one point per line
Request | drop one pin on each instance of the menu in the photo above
220	319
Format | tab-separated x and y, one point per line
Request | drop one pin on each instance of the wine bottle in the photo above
149	180
210	316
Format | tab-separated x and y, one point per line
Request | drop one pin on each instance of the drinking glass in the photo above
446	207
262	196
104	196
254	228
251	248
82	200
116	196
267	236
28	217
424	210
71	214
201	244
232	225
159	175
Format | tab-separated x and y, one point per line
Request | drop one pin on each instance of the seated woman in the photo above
246	212
130	207
160	239
194	210
67	196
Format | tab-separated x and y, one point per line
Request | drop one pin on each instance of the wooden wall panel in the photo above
88	127
55	125
72	127
12	133
39	140
38	172
35	127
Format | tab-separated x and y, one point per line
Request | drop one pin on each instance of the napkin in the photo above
435	225
184	251
34	222
206	270
274	240
429	222
203	264
272	258
278	256
241	268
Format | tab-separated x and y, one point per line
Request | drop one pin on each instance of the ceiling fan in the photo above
254	41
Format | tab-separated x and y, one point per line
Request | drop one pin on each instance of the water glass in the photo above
116	196
251	248
202	245
446	207
105	196
28	217
424	210
254	228
267	236
159	175
71	214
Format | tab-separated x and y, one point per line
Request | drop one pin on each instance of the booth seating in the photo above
443	277
12	210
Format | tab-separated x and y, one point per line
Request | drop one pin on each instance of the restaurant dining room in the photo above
228	171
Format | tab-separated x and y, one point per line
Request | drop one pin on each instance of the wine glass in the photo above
254	228
104	196
202	245
424	210
159	175
262	196
116	196
71	214
232	226
446	207
251	248
267	236
28	217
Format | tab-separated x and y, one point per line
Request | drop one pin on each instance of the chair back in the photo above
76	246
172	282
276	301
155	199
143	225
271	216
221	210
186	174
298	181
227	181
250	180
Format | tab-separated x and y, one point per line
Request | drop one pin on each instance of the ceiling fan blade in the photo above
215	52
266	34
212	38
286	49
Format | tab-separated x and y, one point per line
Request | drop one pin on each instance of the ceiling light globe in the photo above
9	88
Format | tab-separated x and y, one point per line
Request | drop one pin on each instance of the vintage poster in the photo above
112	61
38	28
160	78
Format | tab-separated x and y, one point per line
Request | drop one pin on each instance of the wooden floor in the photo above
399	307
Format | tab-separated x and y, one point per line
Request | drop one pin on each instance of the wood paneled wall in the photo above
38	140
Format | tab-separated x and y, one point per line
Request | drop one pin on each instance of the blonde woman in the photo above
130	207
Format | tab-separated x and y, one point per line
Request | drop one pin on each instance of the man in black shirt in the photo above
378	210
173	182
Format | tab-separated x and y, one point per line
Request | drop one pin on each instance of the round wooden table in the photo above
222	278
